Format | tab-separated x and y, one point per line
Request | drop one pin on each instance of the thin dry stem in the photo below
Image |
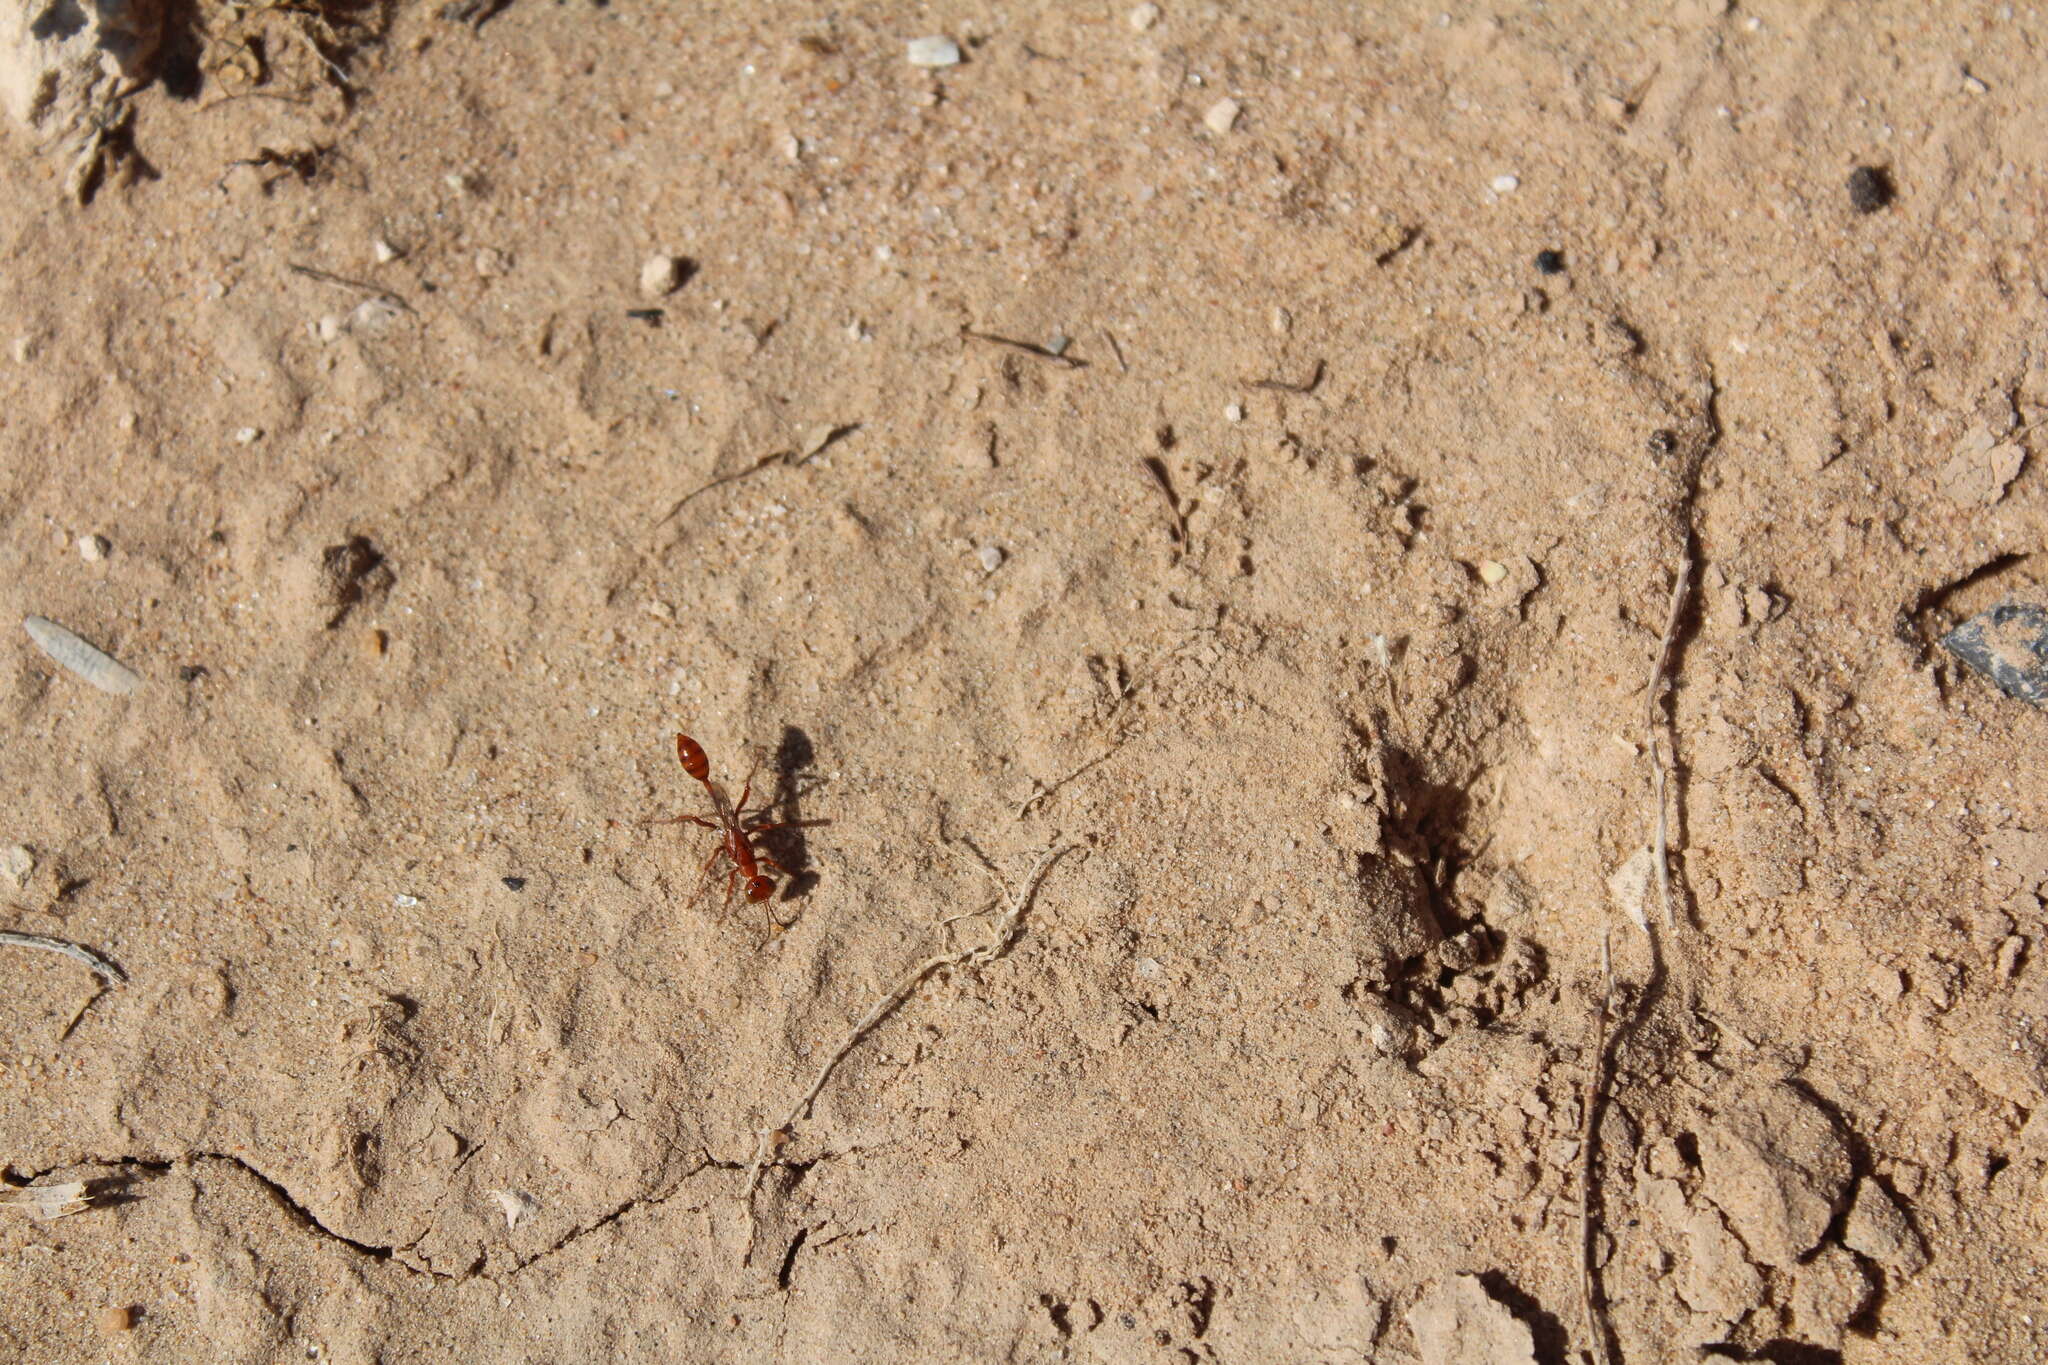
1006	931
100	967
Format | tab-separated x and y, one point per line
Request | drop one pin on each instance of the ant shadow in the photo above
794	756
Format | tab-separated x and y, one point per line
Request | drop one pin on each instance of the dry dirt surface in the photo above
1225	468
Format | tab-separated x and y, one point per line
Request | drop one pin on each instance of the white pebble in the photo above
1222	116
932	52
23	349
516	1206
330	328
659	275
372	316
247	436
16	862
384	251
1282	321
991	558
1143	17
405	902
1506	184
92	549
1235	412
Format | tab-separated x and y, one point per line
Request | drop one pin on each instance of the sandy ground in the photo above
1301	578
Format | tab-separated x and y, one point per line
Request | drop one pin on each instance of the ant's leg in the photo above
766	861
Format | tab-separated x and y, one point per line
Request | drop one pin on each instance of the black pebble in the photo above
515	883
1550	262
1870	189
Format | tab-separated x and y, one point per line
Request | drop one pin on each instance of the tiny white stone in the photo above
24	349
1235	412
660	274
247	436
405	902
516	1206
938	50
1143	17
1222	116
93	548
330	328
991	558
373	316
384	251
1492	571
1506	184
16	862
1282	321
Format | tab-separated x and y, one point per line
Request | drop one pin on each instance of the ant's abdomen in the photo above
691	754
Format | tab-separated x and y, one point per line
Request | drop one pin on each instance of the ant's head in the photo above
759	888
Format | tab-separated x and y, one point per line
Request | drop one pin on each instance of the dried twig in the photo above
1028	347
375	291
106	971
1116	350
1007	928
1306	386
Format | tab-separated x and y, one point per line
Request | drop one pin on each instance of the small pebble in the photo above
1870	189
1234	413
1281	321
1222	116
491	263
330	328
16	862
659	275
933	52
1492	571
1142	17
991	558
23	350
515	883
373	316
247	436
384	252
405	902
1550	263
118	1319
92	549
1506	184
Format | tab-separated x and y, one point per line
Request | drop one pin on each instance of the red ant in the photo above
736	838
